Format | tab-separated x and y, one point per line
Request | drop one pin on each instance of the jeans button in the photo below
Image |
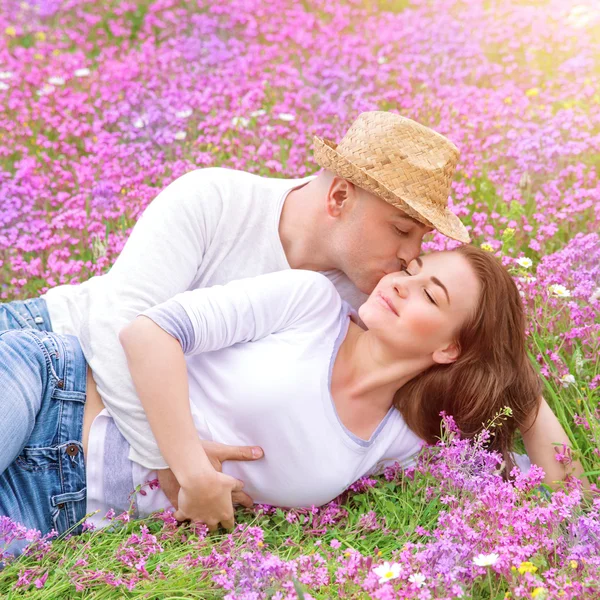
60	384
72	450
60	506
39	320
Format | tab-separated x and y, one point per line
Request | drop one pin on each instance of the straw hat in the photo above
400	161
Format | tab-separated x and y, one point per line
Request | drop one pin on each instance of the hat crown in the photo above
383	144
402	162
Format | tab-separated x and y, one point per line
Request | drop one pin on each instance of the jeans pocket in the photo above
38	459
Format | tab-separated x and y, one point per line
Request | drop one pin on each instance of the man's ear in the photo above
338	196
447	355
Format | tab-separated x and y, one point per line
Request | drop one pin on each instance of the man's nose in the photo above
409	250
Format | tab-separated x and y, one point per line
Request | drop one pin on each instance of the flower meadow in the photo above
102	104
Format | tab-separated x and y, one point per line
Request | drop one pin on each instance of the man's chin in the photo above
366	285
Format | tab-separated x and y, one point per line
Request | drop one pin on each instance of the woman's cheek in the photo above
423	325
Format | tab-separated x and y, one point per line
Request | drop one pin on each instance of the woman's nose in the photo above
401	288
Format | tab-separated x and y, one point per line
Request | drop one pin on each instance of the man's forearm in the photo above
158	369
542	439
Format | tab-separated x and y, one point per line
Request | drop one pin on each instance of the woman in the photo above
275	360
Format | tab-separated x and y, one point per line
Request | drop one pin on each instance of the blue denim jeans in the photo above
24	314
42	400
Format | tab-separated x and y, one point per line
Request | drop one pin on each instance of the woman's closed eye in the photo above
429	296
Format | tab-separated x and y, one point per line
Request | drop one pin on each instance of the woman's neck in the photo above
365	377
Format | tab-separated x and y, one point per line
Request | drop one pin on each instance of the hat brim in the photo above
443	219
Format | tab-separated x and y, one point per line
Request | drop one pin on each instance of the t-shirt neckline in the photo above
277	245
345	314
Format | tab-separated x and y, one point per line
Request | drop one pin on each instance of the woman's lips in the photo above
387	302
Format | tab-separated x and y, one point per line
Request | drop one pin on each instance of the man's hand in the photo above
206	498
217	455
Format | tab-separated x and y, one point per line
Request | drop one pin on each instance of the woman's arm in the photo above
160	379
542	439
205	320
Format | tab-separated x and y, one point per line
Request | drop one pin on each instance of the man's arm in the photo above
542	439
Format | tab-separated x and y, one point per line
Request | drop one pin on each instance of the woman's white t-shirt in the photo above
259	367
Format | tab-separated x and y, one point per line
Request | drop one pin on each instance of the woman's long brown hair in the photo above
493	370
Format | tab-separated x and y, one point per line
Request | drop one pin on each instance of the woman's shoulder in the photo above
304	284
311	296
316	289
311	278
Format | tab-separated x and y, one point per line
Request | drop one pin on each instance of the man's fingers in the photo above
237	486
242	499
180	516
239	452
228	523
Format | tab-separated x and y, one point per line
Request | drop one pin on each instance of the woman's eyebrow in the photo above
419	262
438	282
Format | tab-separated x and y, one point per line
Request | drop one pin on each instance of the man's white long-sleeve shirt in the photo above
208	227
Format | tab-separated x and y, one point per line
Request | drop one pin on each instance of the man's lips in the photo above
385	300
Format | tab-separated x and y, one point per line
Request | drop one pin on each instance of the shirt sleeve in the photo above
249	309
172	318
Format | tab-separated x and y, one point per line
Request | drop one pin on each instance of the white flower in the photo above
418	579
258	113
47	89
559	290
486	560
180	135
567	380
527	279
5	75
382	60
3	86
184	114
595	295
524	262
242	121
82	72
56	81
286	117
387	571
580	16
